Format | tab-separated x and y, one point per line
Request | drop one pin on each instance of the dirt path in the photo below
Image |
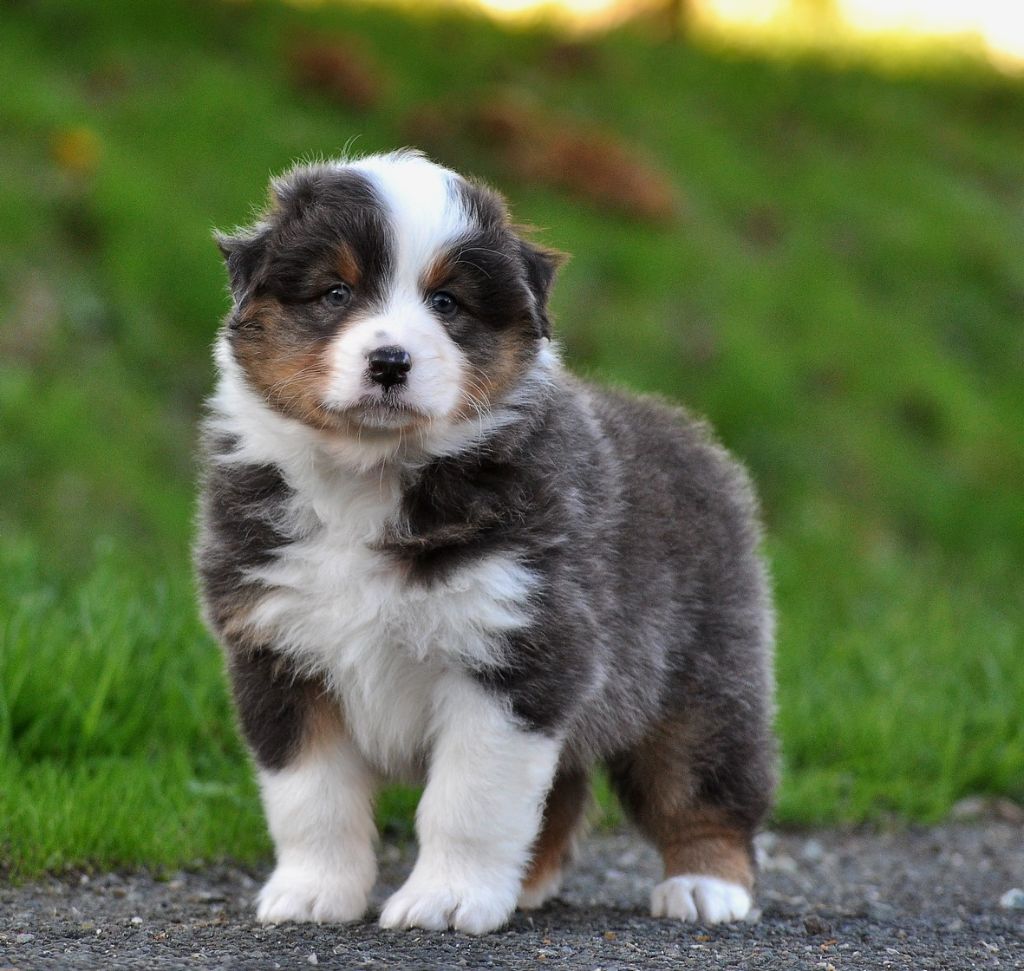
927	899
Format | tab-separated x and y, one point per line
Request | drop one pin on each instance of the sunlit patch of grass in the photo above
897	37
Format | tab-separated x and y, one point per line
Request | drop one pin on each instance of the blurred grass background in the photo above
824	258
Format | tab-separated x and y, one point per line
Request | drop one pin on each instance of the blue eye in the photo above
338	295
444	303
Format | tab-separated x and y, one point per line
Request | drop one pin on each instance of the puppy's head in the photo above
383	295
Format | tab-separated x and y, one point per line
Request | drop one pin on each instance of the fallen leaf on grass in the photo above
532	145
340	69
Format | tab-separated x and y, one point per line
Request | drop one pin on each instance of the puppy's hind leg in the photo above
699	802
563	813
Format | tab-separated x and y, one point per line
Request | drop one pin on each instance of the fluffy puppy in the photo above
432	555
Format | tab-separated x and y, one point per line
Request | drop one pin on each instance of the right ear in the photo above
541	264
242	252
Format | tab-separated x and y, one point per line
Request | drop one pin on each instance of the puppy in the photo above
432	555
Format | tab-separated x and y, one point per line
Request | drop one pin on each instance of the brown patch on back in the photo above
563	811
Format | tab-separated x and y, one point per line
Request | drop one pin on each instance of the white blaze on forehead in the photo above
424	207
426	214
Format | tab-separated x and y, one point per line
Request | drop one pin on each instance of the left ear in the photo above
242	254
541	265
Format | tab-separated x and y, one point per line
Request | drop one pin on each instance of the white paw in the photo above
530	898
306	894
437	903
709	900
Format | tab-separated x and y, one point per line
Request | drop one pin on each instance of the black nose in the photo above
389	365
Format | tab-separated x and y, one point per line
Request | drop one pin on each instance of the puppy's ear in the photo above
242	252
541	265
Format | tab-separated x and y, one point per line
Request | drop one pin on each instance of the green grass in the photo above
863	357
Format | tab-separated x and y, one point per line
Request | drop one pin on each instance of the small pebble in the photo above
781	863
812	851
312	959
1013	899
24	938
813	924
974	808
136	921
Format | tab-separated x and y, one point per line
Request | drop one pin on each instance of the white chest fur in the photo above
347	612
343	610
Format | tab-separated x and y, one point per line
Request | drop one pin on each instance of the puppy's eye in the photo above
338	295
444	303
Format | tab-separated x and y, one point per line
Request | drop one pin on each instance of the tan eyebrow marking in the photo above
347	265
439	272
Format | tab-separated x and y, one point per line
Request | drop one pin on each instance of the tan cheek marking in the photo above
483	387
287	370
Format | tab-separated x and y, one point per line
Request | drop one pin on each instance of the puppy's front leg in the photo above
478	817
320	815
317	793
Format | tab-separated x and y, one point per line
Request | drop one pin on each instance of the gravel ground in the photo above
921	899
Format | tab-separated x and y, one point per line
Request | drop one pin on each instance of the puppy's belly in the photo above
381	643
